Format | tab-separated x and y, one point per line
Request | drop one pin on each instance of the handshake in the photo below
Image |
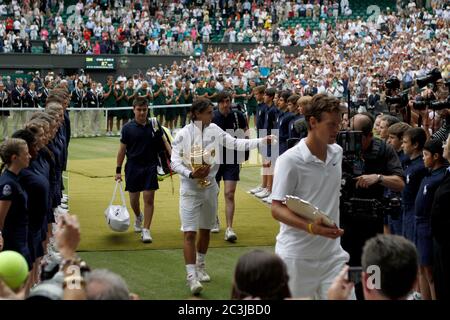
270	139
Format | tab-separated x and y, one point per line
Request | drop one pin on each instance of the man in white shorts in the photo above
311	170
198	205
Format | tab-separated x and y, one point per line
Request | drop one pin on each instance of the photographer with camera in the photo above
362	213
436	98
397	100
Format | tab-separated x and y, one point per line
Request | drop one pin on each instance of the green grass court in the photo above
156	271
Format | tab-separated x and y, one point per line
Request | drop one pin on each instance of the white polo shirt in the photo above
211	137
299	173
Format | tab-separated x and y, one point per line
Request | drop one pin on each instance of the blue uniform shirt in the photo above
425	195
270	121
414	172
143	143
284	121
233	121
11	190
37	187
55	182
260	116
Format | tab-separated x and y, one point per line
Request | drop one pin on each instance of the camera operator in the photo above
442	105
419	106
396	100
382	169
435	97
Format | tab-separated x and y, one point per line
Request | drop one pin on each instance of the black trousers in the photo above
357	230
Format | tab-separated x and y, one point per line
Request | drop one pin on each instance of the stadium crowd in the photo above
155	27
276	89
356	59
150	26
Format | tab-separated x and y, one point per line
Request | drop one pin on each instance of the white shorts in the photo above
312	278
198	210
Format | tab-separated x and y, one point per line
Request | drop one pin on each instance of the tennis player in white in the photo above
311	170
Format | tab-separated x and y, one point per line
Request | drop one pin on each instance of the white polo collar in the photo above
309	157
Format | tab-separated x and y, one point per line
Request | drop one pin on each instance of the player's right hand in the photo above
319	228
118	177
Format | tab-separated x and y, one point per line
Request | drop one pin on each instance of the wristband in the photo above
310	230
118	170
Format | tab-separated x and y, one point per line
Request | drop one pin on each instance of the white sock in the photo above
190	270
201	258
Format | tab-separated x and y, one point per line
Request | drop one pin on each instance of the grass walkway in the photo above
157	273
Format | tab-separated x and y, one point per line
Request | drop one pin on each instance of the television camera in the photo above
353	166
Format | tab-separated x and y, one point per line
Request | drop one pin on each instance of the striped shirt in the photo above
443	131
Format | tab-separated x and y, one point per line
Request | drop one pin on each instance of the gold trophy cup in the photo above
197	157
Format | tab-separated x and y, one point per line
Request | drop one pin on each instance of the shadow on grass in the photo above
116	238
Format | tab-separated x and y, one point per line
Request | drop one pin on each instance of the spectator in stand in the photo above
5	102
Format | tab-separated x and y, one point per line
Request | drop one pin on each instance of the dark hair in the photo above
416	135
284	94
140	102
319	104
199	105
398	129
434	146
396	259
260	274
260	89
270	92
223	95
293	99
26	135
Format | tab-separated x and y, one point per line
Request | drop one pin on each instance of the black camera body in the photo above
352	167
399	99
434	105
430	80
393	83
431	77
